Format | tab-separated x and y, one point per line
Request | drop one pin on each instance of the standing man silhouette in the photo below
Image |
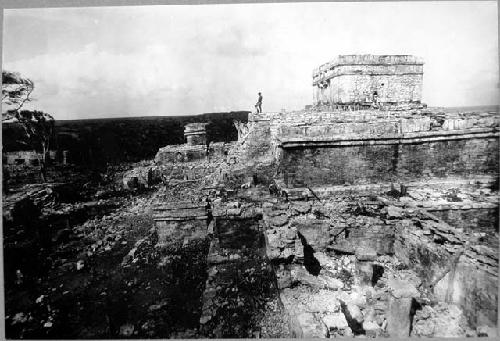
258	105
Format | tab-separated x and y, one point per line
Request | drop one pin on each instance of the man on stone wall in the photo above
258	105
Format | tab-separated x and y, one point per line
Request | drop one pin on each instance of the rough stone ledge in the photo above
330	141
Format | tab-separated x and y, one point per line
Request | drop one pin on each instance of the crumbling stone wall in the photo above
429	246
180	153
481	220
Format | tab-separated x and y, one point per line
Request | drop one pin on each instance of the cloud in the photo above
238	44
167	60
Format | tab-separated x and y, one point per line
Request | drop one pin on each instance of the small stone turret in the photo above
195	134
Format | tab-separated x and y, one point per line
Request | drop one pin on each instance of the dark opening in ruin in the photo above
415	305
378	271
310	262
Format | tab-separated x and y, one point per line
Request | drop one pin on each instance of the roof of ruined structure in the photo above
369	59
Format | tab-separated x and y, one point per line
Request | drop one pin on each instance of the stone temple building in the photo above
363	80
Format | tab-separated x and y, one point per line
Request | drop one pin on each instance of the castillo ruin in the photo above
368	214
374	214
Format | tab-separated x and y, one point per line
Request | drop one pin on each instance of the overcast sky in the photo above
171	60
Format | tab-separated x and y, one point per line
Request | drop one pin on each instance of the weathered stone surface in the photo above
331	283
335	82
486	331
310	327
366	254
139	177
337	325
355	312
442	320
398	317
402	289
354	164
365	272
324	301
284	278
278	220
394	212
371	328
301	207
314	232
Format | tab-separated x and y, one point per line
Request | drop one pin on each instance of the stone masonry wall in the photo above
429	246
386	163
353	88
360	147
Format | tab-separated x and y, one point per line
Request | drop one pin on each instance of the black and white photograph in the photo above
211	170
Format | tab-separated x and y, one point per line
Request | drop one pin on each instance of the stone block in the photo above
331	282
371	328
486	331
398	317
337	325
324	302
394	212
365	272
278	220
354	312
283	278
402	288
366	254
233	211
301	207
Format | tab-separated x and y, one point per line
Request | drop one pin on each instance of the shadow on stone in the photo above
310	262
355	325
415	305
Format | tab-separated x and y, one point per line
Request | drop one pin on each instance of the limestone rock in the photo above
331	283
398	317
301	207
284	279
355	312
278	220
486	331
337	325
366	254
442	320
310	327
371	328
357	298
300	274
365	272
324	301
394	212
402	288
